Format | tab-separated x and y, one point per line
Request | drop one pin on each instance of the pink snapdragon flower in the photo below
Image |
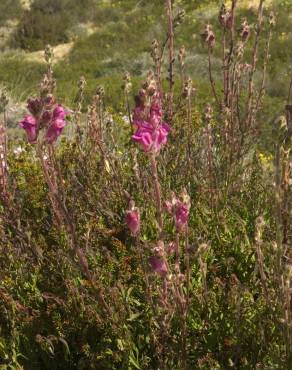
151	137
158	265
181	216
54	130
57	124
60	112
133	219
29	124
179	208
151	133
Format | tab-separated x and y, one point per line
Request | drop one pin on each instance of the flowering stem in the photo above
186	308
250	110
64	217
157	191
212	82
128	108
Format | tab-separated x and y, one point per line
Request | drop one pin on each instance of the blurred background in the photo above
101	39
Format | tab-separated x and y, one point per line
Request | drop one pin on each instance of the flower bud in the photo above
34	106
133	219
158	265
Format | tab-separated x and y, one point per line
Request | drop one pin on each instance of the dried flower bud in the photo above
188	88
208	113
202	249
158	265
179	18
49	101
127	84
155	54
208	36
48	54
272	19
225	17
244	30
239	49
100	92
182	56
81	83
159	248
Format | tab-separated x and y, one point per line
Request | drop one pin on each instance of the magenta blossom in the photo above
57	124
29	124
151	137
54	130
133	221
179	208
158	265
151	133
181	215
60	112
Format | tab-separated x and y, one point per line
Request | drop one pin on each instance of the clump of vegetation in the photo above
49	21
154	238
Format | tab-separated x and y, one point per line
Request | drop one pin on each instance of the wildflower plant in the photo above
164	245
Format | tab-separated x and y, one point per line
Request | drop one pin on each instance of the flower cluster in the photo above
151	132
45	113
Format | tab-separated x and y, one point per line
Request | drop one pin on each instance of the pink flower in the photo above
54	130
179	208
151	133
143	135
59	112
29	124
57	124
151	137
133	220
181	215
159	266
